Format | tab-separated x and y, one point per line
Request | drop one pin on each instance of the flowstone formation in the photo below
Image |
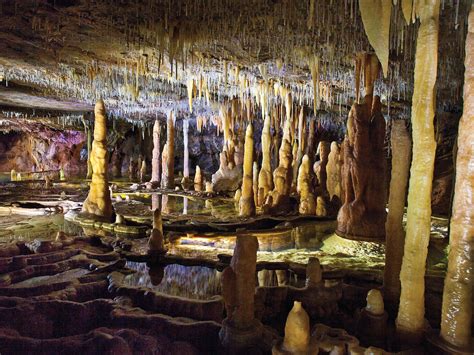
247	199
98	201
362	216
240	329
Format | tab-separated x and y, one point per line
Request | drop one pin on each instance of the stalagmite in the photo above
255	182
185	181
198	179
167	174
155	162
265	180
98	201
456	315
321	210
279	199
333	169
143	170
401	157
89	152
307	204
363	214
410	320
156	244
314	274
376	18
324	150
240	329
371	328
297	333
247	202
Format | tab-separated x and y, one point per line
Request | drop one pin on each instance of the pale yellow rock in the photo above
98	201
198	179
333	169
375	303
167	171
307	205
321	210
265	180
395	233
410	321
247	201
297	330
13	175
209	186
155	161
456	315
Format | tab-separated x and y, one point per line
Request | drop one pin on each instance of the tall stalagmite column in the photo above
247	202
155	161
265	180
185	181
401	157
456	313
410	320
167	175
89	148
98	201
307	204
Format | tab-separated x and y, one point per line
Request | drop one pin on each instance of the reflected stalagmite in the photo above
98	201
456	316
265	180
167	173
247	201
410	321
401	156
156	244
304	188
155	161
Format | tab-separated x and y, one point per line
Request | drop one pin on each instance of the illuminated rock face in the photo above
167	163
155	161
307	204
98	201
456	314
410	320
362	215
247	200
401	156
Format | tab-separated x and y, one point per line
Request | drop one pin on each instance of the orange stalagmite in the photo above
98	201
247	202
456	315
410	321
265	180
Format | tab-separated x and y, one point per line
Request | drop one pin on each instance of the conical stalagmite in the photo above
247	202
410	321
198	179
401	157
456	315
98	200
307	204
155	161
265	180
167	174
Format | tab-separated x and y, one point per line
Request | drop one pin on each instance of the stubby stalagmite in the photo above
98	200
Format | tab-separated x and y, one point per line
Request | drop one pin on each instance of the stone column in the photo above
333	169
401	157
304	188
410	321
167	174
155	161
185	181
247	203
98	201
89	149
265	181
456	313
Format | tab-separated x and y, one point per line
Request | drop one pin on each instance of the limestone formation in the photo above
401	156
247	201
321	210
198	179
307	204
410	320
324	149
186	182
155	161
362	216
456	316
156	245
297	333
98	201
314	275
143	170
371	328
265	180
333	169
167	158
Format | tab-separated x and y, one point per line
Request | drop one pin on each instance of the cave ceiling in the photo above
57	57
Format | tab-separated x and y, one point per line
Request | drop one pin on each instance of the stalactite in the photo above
98	200
314	69
456	315
410	320
401	156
